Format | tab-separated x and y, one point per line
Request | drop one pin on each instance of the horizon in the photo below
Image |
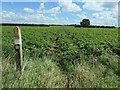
47	24
60	13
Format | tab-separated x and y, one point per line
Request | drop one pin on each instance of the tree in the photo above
85	22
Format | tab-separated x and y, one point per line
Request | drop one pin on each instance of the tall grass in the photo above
39	73
47	73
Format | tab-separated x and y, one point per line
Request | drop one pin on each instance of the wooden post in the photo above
18	47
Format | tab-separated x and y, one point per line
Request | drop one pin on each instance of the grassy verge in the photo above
47	73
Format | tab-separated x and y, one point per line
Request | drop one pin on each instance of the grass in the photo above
62	57
38	73
47	73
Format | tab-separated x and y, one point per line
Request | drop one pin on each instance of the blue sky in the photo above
103	13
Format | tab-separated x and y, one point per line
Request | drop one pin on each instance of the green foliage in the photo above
77	57
111	61
69	41
46	73
85	22
42	73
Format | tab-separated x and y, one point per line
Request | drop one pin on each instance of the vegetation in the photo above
48	25
62	56
85	22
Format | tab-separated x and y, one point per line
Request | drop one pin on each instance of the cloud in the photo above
6	14
98	5
52	10
93	6
82	15
104	13
119	14
67	18
109	4
28	10
95	15
112	12
39	18
53	14
11	17
69	6
102	21
42	6
99	1
35	18
104	18
101	18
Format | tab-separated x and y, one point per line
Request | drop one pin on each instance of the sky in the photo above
61	12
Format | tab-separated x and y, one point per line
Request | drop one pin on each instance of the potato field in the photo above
62	57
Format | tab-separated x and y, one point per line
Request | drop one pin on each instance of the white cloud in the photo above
101	18
98	5
34	18
95	15
69	6
28	10
42	5
109	4
93	6
104	18
115	11
99	1
53	14
82	15
67	18
11	13
108	16
105	13
40	15
11	17
6	14
52	10
119	14
102	21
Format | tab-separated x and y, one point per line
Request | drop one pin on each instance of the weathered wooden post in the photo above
18	48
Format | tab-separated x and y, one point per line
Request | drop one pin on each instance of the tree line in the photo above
83	23
86	23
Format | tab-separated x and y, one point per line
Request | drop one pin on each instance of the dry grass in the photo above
45	73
